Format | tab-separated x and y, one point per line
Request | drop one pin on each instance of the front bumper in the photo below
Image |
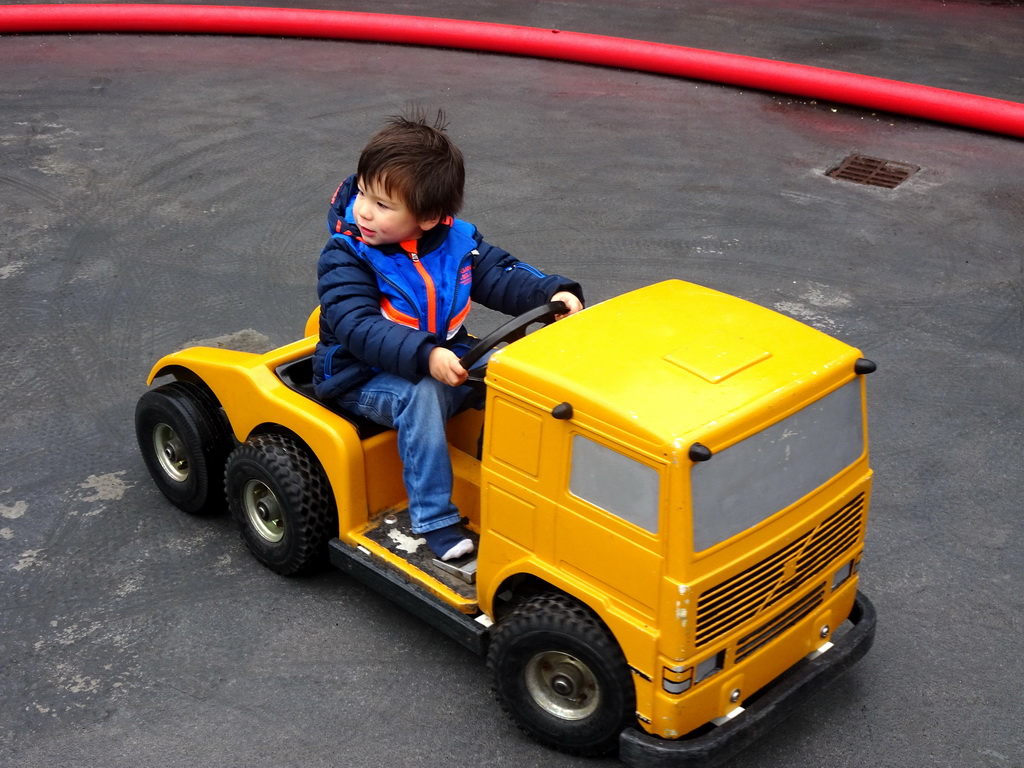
771	706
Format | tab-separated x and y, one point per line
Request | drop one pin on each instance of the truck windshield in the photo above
767	472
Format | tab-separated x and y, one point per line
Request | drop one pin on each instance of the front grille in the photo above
779	624
741	598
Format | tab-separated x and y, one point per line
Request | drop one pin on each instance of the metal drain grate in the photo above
873	172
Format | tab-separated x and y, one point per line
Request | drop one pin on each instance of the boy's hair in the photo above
416	162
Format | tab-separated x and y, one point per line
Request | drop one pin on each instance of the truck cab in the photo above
692	467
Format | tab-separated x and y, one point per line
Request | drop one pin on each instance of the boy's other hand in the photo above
446	368
571	301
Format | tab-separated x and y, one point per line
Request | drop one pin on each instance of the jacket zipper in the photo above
523	265
428	284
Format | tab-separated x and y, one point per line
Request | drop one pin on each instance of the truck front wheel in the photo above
281	500
561	676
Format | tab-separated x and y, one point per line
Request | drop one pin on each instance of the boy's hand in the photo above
446	368
571	301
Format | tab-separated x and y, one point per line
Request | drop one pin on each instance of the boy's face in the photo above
384	219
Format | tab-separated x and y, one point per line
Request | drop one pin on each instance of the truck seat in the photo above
298	377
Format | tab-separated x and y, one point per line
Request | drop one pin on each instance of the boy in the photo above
395	282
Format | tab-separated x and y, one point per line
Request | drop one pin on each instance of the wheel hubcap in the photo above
263	511
562	685
170	452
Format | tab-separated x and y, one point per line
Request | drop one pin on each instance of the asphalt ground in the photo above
162	190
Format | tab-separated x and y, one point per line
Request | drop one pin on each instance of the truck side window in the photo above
616	483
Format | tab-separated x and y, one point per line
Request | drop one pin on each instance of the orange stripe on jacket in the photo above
459	319
392	313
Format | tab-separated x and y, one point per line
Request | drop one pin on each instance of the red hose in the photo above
964	109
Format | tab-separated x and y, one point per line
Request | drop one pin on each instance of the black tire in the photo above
282	502
561	676
185	442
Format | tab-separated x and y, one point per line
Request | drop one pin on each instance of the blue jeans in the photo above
419	413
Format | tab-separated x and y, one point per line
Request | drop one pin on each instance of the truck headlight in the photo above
675	680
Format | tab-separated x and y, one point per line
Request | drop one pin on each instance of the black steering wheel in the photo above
511	331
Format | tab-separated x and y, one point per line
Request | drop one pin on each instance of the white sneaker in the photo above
461	549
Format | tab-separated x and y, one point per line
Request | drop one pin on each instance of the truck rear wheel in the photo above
561	676
185	441
281	500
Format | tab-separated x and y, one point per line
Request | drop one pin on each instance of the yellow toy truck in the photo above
668	490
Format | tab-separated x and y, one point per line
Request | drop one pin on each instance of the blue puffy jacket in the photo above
384	309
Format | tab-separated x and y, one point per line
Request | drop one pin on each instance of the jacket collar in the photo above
431	240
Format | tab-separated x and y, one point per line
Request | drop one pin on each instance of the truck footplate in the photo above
392	530
470	631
